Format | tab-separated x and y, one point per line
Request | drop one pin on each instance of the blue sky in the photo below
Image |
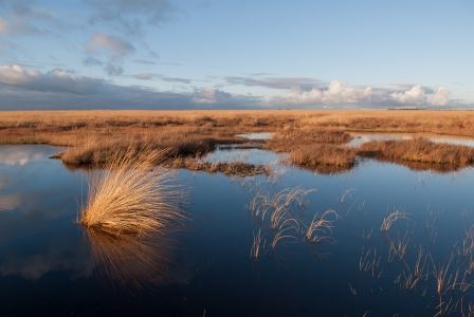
219	54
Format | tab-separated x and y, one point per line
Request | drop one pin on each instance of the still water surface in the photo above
48	265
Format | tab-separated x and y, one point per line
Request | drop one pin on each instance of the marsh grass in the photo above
323	158
315	140
390	219
131	196
320	228
420	151
277	214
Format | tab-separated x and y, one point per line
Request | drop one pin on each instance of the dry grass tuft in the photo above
131	196
320	229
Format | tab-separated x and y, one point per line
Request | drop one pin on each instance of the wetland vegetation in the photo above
184	212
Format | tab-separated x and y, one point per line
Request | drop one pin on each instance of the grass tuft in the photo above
131	196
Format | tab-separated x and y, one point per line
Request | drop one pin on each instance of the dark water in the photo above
49	265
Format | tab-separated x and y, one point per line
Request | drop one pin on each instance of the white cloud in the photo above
336	93
414	96
31	89
56	80
15	74
440	97
110	43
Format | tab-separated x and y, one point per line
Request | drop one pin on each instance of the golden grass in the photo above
64	127
131	197
285	141
323	158
421	151
190	134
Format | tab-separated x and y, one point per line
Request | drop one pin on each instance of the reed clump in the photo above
131	196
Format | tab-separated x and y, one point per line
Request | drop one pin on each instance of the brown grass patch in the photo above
232	168
285	141
420	151
324	158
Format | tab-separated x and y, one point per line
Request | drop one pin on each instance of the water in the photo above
256	136
49	264
251	155
359	139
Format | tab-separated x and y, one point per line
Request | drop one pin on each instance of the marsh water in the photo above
49	264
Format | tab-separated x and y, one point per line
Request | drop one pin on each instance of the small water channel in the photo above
359	139
50	265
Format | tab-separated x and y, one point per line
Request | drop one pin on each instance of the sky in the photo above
241	54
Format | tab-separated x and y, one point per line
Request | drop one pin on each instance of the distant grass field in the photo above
314	139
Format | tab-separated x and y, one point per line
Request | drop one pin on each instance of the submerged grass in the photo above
390	220
320	228
131	196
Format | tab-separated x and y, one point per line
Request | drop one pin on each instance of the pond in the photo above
230	257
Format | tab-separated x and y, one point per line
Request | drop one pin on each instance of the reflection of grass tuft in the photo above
130	260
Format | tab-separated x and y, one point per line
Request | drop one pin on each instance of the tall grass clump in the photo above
131	196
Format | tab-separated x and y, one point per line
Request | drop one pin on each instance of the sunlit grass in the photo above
131	196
